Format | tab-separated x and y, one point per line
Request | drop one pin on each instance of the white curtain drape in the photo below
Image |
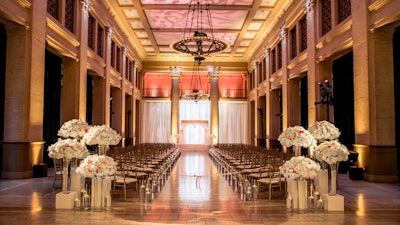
156	122
233	123
190	110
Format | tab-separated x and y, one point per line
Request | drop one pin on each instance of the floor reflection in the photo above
194	177
211	202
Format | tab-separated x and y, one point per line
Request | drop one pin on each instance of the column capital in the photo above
309	6
109	31
267	51
85	7
124	50
284	31
214	72
254	64
175	72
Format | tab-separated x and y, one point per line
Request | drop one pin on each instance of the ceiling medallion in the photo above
200	44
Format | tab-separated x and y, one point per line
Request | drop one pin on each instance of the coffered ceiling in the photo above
154	24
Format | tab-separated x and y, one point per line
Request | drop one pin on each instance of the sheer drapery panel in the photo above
233	122
156	122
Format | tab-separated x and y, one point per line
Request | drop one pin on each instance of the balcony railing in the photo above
166	93
232	93
156	93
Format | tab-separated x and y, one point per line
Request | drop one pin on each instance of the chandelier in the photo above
199	44
196	90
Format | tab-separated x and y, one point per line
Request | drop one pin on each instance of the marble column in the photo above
214	103
175	95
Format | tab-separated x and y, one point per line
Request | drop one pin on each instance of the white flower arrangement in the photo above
300	167
324	130
297	136
101	135
74	128
67	148
331	152
97	165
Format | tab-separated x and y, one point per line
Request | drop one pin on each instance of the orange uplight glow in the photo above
360	205
35	204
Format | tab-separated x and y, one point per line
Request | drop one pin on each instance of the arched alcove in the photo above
199	123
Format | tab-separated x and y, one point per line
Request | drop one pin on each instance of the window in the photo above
303	34
91	25
69	14
344	9
52	8
326	16
293	42
100	41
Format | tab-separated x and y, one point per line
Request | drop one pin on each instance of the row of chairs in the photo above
141	163
256	165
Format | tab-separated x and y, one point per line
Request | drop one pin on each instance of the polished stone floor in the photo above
195	193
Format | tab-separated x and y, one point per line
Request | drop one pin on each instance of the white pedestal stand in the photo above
65	201
333	202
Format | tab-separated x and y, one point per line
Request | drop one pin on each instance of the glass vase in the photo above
97	195
334	168
302	187
65	184
322	179
293	192
297	150
102	149
75	177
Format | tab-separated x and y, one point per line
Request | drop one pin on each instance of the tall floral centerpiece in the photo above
298	170
67	149
74	129
297	137
324	130
97	167
332	152
102	136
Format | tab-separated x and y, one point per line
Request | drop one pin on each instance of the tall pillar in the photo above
373	97
214	105
24	95
134	107
311	59
175	94
285	85
268	105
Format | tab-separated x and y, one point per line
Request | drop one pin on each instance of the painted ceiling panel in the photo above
155	24
185	2
221	19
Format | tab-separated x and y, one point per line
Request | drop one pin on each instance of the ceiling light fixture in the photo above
196	89
200	44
